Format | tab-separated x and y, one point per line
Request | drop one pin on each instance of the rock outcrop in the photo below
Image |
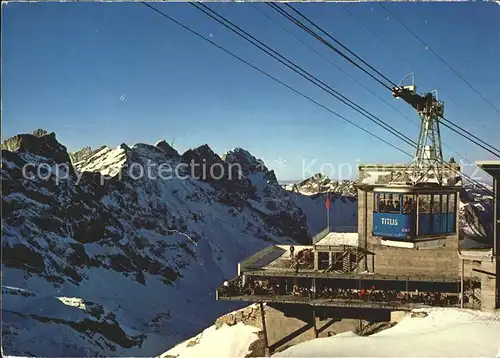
121	236
43	144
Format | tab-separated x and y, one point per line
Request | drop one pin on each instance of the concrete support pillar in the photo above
365	227
264	328
316	260
243	280
496	237
330	258
362	212
314	323
461	283
357	258
496	219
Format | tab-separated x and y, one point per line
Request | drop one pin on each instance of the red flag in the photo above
327	203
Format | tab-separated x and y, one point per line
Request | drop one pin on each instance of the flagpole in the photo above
327	212
328	219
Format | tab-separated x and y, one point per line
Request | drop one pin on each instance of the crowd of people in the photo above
394	206
372	294
375	295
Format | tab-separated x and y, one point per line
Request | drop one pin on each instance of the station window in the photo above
397	203
451	203
409	204
444	203
424	204
384	198
389	203
436	203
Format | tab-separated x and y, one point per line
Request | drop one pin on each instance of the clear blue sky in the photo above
107	73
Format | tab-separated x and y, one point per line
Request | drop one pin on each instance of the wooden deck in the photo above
324	302
290	273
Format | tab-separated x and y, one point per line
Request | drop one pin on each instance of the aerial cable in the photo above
347	74
470	139
331	37
331	62
441	59
326	43
294	67
472	135
298	92
274	6
374	33
272	77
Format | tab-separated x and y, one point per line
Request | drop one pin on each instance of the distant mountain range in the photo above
99	259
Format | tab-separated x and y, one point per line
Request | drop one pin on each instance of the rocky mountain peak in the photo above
82	154
247	161
321	183
41	143
167	148
40	132
206	164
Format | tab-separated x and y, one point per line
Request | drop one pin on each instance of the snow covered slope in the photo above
436	332
226	341
98	260
442	333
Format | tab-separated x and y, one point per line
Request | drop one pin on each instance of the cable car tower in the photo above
427	165
417	203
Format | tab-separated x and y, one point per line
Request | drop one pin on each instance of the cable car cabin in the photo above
410	212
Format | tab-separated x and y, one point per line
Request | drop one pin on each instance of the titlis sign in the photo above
389	221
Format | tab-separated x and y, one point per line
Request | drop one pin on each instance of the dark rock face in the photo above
72	232
228	178
67	208
44	145
206	165
171	152
247	161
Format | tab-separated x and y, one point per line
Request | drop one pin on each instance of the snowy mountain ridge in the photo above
320	183
111	262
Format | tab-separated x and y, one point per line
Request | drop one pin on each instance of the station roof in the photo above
492	167
339	238
278	258
372	175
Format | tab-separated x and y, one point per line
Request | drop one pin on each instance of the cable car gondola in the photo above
414	212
